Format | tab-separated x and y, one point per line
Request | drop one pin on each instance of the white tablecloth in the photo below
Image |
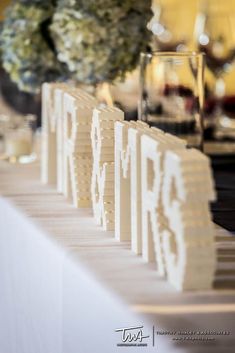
66	285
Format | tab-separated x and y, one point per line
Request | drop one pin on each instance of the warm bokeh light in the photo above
3	4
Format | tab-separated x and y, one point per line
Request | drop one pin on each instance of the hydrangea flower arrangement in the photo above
26	52
91	41
100	40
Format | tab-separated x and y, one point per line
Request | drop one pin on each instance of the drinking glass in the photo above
172	94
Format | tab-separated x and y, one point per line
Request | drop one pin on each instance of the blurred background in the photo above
182	18
201	25
181	15
3	5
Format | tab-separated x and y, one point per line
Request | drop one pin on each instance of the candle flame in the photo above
104	94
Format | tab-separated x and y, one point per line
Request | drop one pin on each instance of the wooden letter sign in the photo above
78	108
188	235
153	148
51	122
128	182
102	186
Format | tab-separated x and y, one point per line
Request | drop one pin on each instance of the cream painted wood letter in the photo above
153	148
77	113
102	186
128	182
188	235
51	112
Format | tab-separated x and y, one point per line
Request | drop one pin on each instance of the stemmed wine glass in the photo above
215	36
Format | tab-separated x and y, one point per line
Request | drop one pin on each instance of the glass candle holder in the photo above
19	140
172	94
